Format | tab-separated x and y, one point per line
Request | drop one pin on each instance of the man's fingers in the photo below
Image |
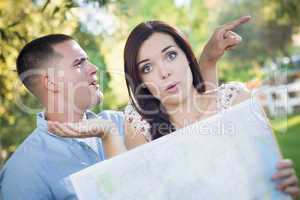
236	23
65	131
55	128
50	126
80	128
91	128
84	129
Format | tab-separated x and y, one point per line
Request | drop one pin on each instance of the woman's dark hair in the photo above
149	107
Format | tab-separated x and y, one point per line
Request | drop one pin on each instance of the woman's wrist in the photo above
207	63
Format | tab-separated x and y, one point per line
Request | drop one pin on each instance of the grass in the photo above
287	132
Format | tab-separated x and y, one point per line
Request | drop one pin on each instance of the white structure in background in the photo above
280	91
279	100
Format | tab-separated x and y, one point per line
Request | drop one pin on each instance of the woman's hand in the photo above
288	179
84	129
223	39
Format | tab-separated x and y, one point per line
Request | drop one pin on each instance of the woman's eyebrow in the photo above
145	60
163	50
166	48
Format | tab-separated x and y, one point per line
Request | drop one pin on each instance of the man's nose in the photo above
92	69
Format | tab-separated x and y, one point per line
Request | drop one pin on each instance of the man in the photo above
56	70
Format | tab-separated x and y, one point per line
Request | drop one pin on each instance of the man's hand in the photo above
223	39
88	128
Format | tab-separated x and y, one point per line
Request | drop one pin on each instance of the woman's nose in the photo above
164	70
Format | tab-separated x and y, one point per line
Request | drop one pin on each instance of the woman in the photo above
168	91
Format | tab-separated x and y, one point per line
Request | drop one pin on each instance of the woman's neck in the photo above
190	110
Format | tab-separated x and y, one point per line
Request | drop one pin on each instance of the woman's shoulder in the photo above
233	86
232	93
136	122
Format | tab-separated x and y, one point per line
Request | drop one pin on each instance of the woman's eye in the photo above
171	55
147	68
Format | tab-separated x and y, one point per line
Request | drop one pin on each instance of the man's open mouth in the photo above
94	83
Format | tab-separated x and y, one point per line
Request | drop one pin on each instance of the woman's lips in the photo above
172	88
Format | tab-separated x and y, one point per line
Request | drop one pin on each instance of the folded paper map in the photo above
231	155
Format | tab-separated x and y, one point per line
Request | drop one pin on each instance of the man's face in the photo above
77	76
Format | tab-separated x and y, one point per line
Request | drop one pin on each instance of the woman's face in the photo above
164	69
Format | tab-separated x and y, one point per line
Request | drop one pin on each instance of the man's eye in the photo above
146	68
171	55
80	64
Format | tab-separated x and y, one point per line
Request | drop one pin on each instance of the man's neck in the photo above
60	110
64	117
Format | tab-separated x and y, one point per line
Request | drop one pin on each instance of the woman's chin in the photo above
174	99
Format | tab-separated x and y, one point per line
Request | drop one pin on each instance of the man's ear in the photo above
50	83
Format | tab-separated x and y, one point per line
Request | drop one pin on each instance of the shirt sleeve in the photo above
115	116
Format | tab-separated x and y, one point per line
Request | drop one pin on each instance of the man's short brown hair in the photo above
35	54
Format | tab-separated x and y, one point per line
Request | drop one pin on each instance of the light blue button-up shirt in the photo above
40	167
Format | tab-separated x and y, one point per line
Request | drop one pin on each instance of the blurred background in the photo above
268	60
